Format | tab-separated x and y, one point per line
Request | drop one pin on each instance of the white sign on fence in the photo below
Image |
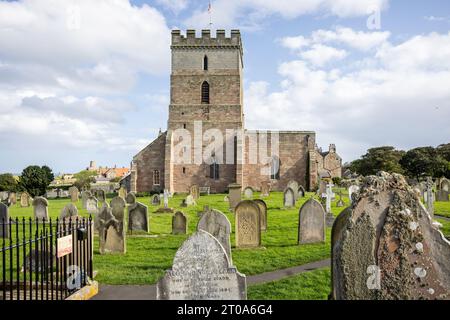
64	246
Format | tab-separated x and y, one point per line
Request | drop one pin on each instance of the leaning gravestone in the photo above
156	200
69	211
4	221
263	211
25	199
234	195
218	225
289	198
92	205
248	225
294	186
179	223
248	193
386	247
201	270
74	194
138	217
311	225
40	206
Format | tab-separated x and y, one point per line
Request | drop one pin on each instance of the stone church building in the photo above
206	88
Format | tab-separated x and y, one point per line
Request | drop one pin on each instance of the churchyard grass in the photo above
313	285
442	208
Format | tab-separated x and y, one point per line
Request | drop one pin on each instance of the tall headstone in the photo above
289	198
265	189
386	247
138	217
234	195
248	225
40	206
294	186
118	206
4	221
311	226
194	191
69	211
263	211
112	237
248	193
85	195
179	223
25	200
201	270
74	194
218	225
92	205
430	196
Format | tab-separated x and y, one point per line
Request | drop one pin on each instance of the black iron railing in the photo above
45	260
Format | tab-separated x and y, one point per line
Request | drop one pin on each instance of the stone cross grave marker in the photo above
329	196
248	225
179	223
201	270
166	198
311	226
218	225
40	206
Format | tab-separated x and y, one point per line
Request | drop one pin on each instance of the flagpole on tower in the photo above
210	15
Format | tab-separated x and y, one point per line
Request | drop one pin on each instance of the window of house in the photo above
156	181
205	92
184	170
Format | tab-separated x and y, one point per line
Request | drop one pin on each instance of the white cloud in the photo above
295	43
319	55
176	6
402	98
250	14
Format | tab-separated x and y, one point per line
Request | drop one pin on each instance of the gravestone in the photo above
234	195
194	191
111	232
166	208
442	195
156	200
322	187
85	195
385	247
218	225
201	270
289	198
100	195
52	194
265	189
74	194
4	221
294	186
4	196
248	193
263	211
118	206
248	225
92	205
190	201
122	192
104	212
328	196
430	197
352	192
311	225
226	199
445	185
25	200
130	198
40	206
301	191
69	211
138	217
179	223
12	198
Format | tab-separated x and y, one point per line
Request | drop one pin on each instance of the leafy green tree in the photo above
8	182
378	159
424	161
84	179
35	180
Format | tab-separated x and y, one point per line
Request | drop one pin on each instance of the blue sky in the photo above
89	80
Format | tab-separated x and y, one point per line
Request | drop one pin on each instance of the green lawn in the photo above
442	209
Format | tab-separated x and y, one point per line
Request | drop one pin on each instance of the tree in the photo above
378	159
35	180
84	179
8	183
424	161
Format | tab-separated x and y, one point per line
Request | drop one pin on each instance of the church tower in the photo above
205	100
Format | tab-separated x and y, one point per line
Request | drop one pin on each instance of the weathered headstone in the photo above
265	189
217	224
92	205
442	195
138	217
234	195
263	211
248	193
288	198
248	225
179	223
201	270
85	195
386	247
122	192
111	232
130	198
311	226
100	195
25	200
190	201
294	186
156	200
74	194
301	191
322	187
12	198
445	185
40	207
352	192
4	221
118	206
69	211
194	191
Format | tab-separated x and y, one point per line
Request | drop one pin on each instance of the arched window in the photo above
275	168
205	63
214	170
205	92
156	181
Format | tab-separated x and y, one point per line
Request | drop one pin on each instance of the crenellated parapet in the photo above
190	40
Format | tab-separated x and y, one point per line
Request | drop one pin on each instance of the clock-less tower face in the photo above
205	101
